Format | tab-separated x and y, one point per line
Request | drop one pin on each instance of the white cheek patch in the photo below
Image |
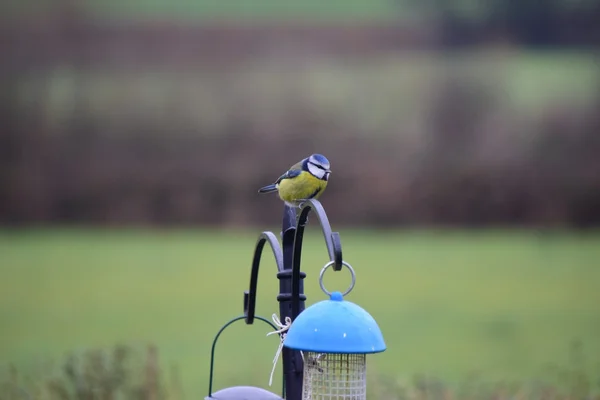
318	172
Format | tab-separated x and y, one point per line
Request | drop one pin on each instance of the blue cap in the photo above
335	326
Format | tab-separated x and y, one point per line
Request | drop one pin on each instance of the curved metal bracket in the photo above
291	297
250	295
332	241
212	351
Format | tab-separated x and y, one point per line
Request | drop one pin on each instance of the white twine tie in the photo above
282	332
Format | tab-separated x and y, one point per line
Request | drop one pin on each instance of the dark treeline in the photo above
529	23
140	171
69	155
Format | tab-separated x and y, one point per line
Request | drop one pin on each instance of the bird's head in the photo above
318	166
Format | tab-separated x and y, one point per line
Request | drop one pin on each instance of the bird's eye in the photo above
318	166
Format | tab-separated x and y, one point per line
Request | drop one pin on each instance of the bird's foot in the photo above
300	205
301	202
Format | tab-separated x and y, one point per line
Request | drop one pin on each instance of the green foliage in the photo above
501	305
94	374
100	374
109	375
570	381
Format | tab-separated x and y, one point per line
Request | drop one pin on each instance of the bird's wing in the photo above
292	173
297	166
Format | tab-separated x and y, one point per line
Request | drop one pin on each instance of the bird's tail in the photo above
268	189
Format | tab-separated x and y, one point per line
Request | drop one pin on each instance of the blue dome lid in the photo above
335	326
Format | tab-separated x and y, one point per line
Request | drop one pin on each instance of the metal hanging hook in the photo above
291	296
212	352
332	241
250	295
352	274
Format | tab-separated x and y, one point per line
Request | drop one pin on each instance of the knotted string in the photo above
282	332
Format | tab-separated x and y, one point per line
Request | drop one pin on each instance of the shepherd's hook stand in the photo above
291	296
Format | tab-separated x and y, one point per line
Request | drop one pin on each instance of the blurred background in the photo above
465	148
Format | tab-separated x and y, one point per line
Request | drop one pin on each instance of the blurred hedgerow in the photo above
121	372
567	382
124	373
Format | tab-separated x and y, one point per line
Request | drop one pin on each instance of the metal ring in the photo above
329	264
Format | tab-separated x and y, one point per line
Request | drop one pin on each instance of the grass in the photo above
506	305
373	96
248	10
261	10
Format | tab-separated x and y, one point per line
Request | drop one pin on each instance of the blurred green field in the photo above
264	9
259	10
367	97
507	304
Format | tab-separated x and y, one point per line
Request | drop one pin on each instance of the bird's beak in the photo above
328	171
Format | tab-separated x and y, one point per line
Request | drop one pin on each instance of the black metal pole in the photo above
292	360
291	279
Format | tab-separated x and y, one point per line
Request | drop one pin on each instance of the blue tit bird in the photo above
305	180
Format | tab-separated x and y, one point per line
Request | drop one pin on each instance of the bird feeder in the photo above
334	336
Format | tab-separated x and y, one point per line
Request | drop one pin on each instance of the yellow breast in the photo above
304	186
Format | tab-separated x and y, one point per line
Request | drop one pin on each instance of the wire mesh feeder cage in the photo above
334	336
334	376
